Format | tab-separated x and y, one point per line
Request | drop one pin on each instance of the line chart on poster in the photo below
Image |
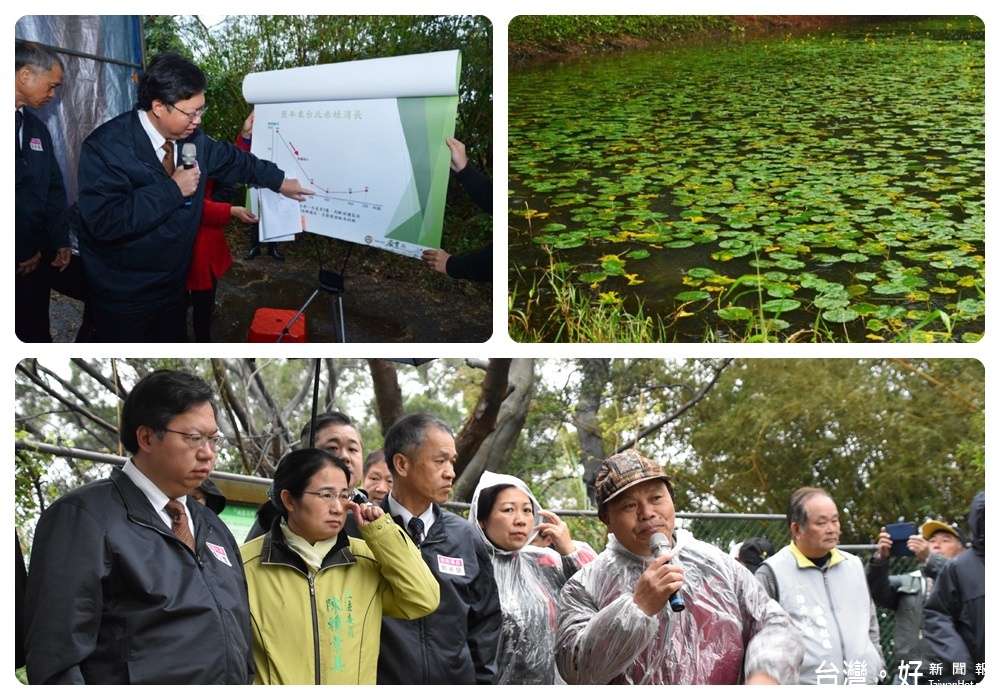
340	150
357	193
368	138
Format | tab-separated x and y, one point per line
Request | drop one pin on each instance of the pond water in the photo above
825	186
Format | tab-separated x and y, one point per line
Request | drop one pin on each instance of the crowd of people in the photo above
149	218
134	578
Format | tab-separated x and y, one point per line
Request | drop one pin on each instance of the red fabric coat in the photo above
212	257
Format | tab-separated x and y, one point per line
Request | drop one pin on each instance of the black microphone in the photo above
189	156
660	545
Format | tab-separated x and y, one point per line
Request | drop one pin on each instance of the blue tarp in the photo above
102	55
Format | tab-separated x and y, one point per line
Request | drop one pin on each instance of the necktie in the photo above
416	528
18	118
179	523
168	158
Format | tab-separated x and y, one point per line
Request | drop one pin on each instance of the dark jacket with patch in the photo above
955	613
41	218
114	597
137	234
906	594
457	643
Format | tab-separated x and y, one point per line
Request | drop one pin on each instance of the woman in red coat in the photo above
212	256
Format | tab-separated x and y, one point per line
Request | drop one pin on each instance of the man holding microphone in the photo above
141	196
616	621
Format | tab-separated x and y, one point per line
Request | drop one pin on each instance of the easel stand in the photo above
332	283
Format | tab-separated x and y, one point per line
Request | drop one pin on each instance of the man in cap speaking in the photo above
615	624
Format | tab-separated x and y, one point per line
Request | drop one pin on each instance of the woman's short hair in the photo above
296	469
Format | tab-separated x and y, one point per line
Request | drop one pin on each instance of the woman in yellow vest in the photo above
317	596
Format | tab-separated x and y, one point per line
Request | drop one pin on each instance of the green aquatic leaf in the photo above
734	313
780	306
697	295
840	315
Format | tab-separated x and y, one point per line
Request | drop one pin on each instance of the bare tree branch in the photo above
232	407
40	383
698	396
108	384
301	395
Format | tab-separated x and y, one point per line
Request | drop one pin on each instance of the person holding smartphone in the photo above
907	593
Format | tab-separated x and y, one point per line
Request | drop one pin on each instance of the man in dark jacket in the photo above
41	220
955	612
456	644
477	265
140	204
130	580
906	594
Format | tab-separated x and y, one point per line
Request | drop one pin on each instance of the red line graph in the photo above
321	190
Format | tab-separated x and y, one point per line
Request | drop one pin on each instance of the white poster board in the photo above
369	138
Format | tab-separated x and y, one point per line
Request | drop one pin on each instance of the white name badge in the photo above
451	565
219	552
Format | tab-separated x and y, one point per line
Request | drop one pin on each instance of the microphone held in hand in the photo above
189	156
660	545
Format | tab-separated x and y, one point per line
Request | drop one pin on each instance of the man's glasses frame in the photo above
196	441
192	116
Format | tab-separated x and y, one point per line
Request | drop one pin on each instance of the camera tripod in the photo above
332	283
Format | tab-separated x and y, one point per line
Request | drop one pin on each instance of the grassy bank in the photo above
541	36
531	36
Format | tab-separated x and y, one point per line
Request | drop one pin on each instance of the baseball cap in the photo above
624	470
932	526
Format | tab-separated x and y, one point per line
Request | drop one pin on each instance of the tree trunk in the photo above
483	418
595	378
495	451
388	395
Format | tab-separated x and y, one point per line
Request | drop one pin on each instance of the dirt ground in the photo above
387	298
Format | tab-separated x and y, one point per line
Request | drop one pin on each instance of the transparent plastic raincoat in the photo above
529	580
730	629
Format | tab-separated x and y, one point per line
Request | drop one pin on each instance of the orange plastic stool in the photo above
268	324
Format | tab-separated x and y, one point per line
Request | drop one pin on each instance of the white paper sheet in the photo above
420	75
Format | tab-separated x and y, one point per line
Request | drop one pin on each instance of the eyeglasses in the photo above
190	115
196	442
329	495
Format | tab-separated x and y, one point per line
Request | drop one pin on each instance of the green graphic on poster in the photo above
368	137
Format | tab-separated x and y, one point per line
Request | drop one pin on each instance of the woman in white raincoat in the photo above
615	625
508	516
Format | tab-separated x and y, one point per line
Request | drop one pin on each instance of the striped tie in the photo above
175	509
